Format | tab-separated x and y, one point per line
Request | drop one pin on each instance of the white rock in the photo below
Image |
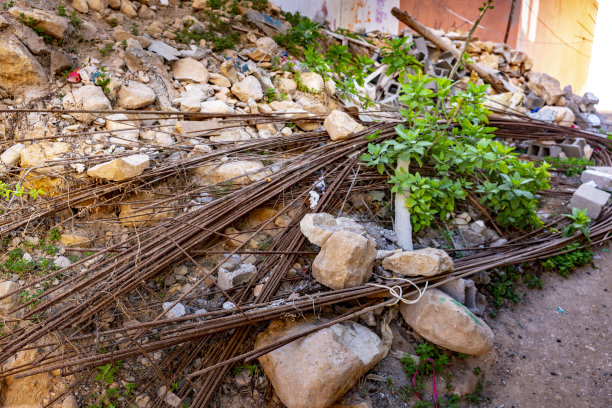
287	85
169	398
164	50
248	88
219	80
316	370
177	311
8	303
62	262
444	321
189	69
135	95
312	81
89	97
122	128
340	125
120	169
80	6
215	107
11	156
318	227
231	135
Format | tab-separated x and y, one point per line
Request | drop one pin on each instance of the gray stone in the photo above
465	292
89	97
61	262
135	95
533	101
588	197
177	311
319	227
168	52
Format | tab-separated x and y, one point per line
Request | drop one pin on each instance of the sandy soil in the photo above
547	358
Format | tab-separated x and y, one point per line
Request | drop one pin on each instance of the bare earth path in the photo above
550	359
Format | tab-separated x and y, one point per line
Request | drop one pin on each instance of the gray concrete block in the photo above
574	147
601	179
590	198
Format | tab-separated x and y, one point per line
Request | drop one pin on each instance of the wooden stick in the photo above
486	73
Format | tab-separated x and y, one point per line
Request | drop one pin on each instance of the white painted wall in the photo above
355	15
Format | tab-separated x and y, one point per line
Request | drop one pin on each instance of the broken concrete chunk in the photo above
7	303
340	125
229	279
447	323
346	260
177	310
88	97
319	227
422	262
588	197
602	180
312	81
120	169
316	370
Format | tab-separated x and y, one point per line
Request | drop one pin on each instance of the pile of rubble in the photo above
131	59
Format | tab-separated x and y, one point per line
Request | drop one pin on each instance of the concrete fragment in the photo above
345	261
312	81
544	86
248	88
588	197
135	95
318	369
188	69
168	52
228	279
177	311
603	180
10	156
447	323
88	97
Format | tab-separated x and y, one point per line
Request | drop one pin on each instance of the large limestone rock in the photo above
248	88
231	135
242	274
123	130
89	97
215	106
21	73
189	69
422	262
316	370
544	86
135	95
286	85
120	169
319	227
446	322
345	261
50	23
340	125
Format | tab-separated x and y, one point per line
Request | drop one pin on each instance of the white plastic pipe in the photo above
403	226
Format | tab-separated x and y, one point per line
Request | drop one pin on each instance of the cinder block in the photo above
590	198
574	147
602	180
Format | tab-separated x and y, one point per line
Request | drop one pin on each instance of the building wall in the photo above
556	34
355	15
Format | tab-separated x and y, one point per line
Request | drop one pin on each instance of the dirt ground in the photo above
547	358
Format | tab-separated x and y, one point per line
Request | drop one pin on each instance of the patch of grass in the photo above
533	282
61	10
113	22
8	5
75	21
134	29
186	35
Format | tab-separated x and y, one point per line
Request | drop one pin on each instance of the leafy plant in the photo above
61	10
77	22
565	264
102	79
303	33
449	134
502	286
106	49
113	22
6	191
580	223
33	24
134	29
533	282
8	5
